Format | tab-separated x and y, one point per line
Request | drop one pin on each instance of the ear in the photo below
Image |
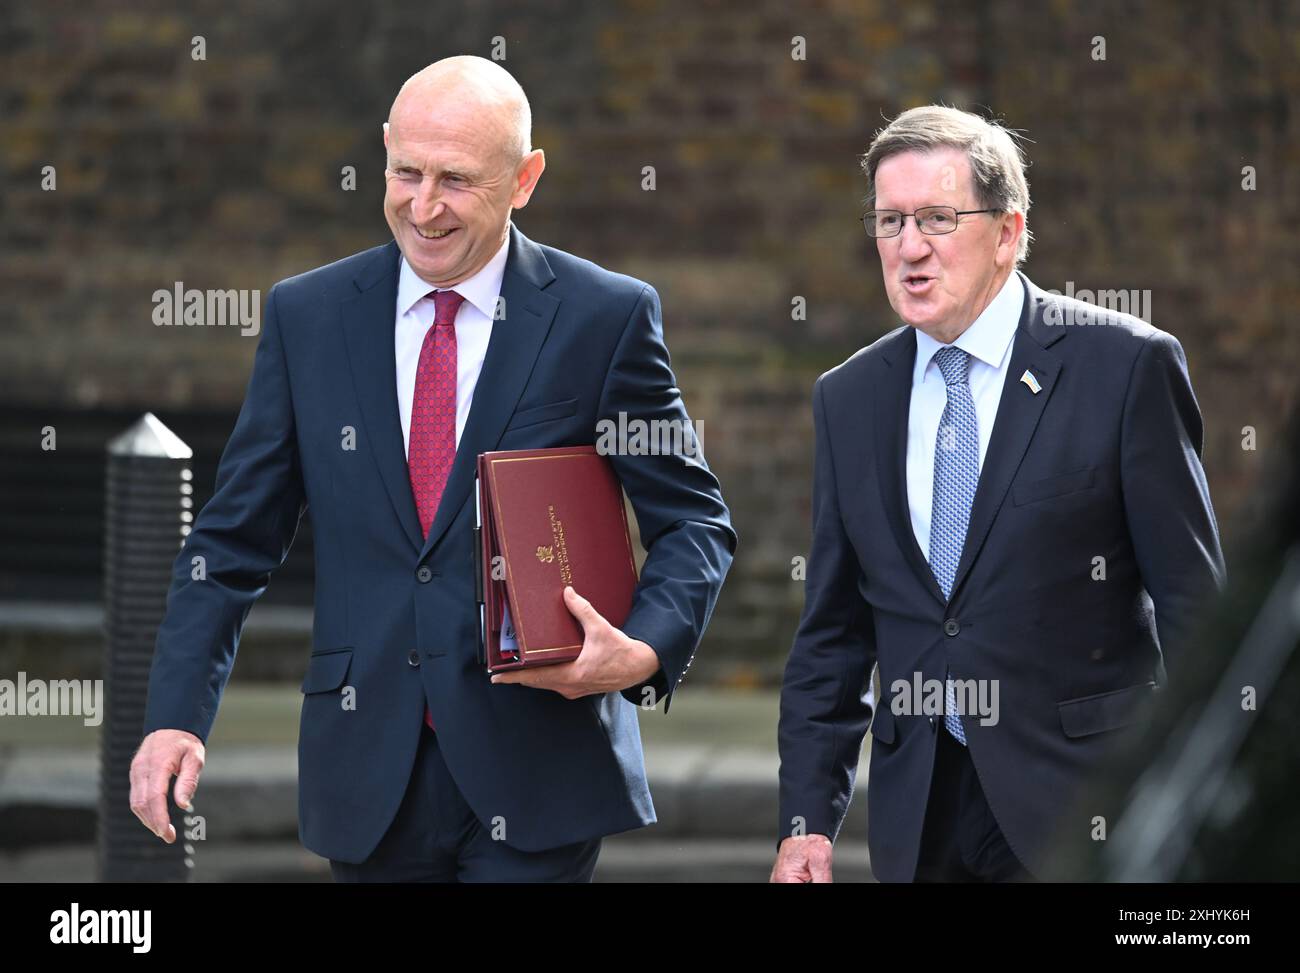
385	135
1013	225
527	173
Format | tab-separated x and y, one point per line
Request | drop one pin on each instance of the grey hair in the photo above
997	163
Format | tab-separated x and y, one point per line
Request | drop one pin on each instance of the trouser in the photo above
961	840
435	837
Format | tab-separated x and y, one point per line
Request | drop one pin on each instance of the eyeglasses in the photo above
932	220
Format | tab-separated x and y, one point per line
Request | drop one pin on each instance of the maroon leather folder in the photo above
548	518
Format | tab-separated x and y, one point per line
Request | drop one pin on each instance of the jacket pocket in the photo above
1052	486
1105	711
542	413
882	723
327	670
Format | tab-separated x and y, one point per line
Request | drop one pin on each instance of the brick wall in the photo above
225	173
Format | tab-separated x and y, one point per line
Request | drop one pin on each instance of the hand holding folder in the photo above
610	660
549	519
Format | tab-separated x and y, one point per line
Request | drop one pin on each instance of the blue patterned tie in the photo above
956	475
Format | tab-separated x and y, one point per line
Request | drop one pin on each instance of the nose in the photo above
913	245
425	204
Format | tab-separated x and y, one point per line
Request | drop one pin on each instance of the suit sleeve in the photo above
824	710
685	526
1166	498
242	534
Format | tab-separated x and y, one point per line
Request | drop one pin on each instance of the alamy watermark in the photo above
53	697
925	697
128	927
654	437
1134	302
210	308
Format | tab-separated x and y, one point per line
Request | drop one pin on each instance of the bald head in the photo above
469	84
460	161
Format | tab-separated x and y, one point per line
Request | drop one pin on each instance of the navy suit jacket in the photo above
395	613
1104	462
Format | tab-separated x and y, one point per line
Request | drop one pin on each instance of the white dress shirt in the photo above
415	313
988	341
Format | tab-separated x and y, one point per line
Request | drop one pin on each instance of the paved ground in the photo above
712	765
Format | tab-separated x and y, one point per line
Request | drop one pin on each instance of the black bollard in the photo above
148	509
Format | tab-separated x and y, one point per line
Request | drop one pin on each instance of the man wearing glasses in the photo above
1010	519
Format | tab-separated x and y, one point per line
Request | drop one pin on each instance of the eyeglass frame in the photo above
956	222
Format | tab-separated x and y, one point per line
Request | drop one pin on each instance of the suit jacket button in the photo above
950	627
414	658
424	575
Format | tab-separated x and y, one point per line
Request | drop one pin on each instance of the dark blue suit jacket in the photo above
395	615
1104	461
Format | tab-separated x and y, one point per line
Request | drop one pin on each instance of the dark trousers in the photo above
435	837
961	840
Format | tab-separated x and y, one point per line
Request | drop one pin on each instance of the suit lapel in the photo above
1019	410
368	321
893	402
512	350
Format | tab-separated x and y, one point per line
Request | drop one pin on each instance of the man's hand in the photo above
609	660
162	754
803	858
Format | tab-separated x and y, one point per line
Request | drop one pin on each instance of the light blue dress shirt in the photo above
988	341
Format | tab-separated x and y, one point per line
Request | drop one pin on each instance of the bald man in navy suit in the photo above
458	337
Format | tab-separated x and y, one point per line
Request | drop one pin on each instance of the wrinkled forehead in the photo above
922	178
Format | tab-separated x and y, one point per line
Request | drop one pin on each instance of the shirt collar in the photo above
988	338
481	290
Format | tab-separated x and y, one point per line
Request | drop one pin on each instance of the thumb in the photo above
187	782
581	609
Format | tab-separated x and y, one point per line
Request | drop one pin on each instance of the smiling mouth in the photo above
434	234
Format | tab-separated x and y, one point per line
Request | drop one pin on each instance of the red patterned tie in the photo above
431	448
